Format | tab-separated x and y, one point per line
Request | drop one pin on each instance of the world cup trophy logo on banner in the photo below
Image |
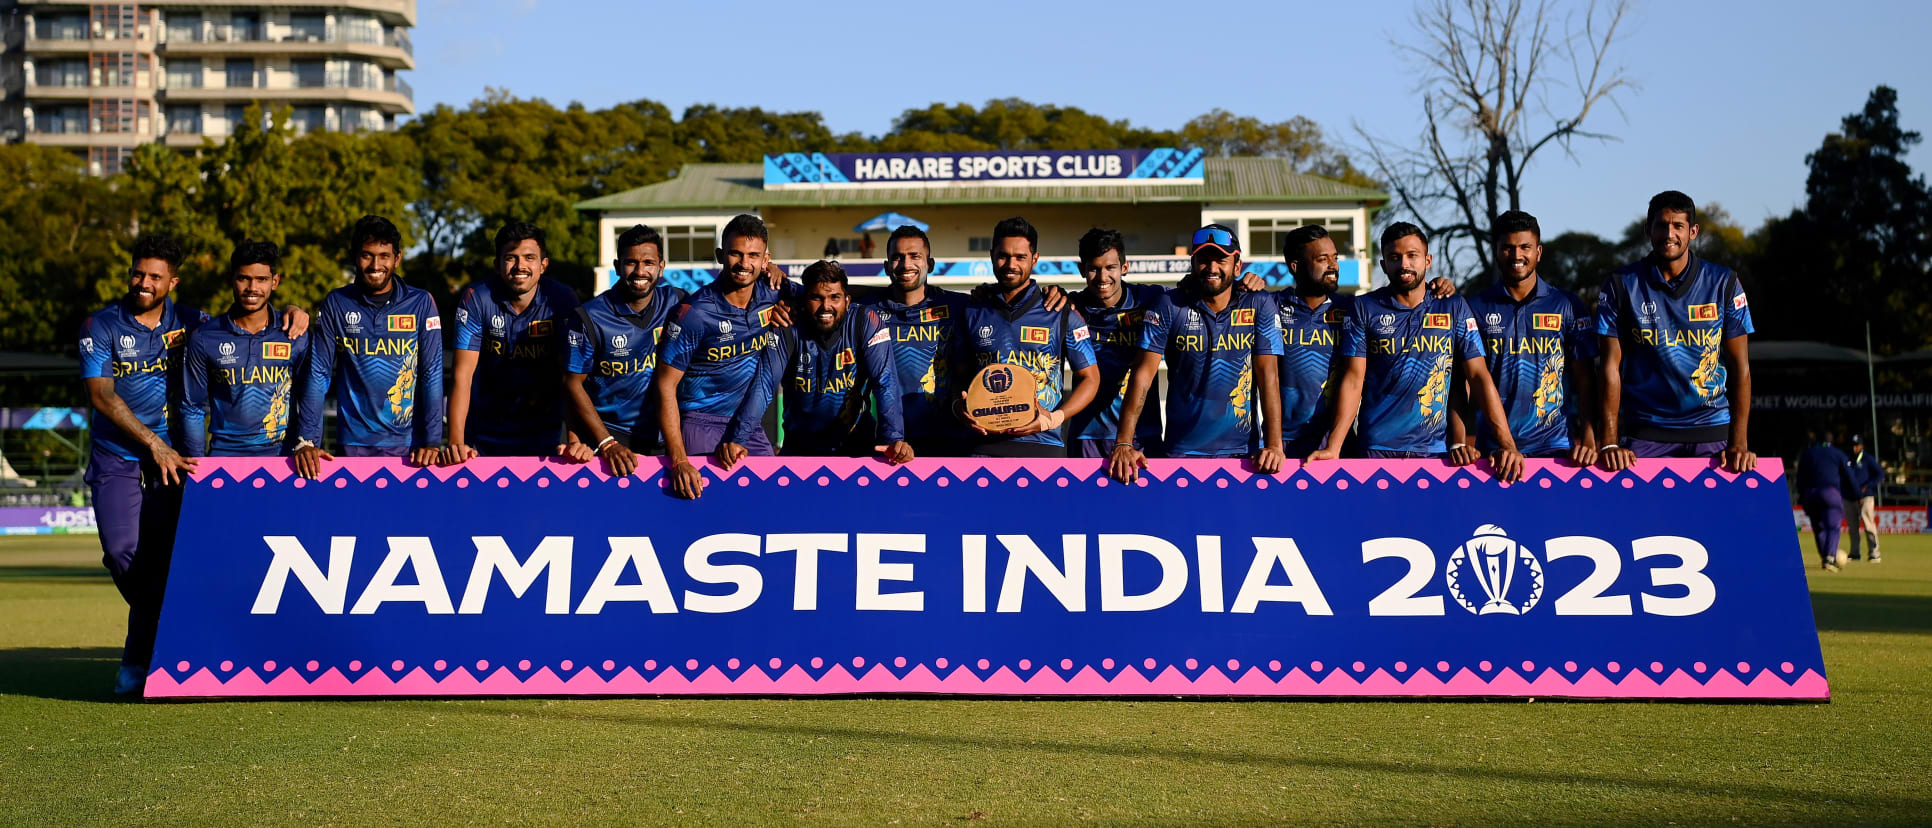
1505	575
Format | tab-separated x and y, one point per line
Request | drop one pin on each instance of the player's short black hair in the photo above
639	234
1017	227
1515	221
907	231
255	252
1298	239
1098	241
823	272
516	232
158	246
375	229
1672	201
1402	230
744	224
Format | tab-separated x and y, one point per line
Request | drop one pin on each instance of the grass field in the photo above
69	753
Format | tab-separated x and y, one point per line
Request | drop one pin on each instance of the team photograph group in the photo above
1411	370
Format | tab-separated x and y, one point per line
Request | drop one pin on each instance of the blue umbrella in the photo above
888	222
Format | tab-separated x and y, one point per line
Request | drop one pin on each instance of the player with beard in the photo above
241	367
826	367
1667	324
1114	310
1011	323
506	394
1311	316
1407	353
613	343
131	360
380	347
1539	344
923	321
1221	342
710	355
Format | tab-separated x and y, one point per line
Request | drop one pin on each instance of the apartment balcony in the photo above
74	92
392	97
392	11
392	51
88	139
84	45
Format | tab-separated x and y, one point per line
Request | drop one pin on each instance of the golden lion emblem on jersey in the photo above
1549	389
1432	402
275	423
1238	398
1708	379
402	395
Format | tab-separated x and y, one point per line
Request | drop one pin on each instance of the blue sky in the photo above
1730	95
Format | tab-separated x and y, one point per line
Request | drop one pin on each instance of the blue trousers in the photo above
136	516
1826	509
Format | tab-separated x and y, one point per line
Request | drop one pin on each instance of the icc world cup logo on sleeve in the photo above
1494	575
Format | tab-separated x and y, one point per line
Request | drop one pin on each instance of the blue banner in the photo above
1001	577
900	169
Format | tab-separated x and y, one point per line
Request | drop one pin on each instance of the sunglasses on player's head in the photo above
1215	236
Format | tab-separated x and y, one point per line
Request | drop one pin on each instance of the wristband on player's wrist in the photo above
1459	446
608	440
1609	446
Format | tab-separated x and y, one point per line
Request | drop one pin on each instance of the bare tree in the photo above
1494	95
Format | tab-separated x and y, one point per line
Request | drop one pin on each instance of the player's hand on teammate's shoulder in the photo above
1052	298
1441	288
686	481
1253	283
295	322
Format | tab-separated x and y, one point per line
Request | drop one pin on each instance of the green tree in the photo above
1300	140
59	258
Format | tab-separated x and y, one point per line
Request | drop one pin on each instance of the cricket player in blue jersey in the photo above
1666	325
613	343
1540	346
1822	475
826	368
1011	323
924	321
239	386
506	394
380	349
1221	342
131	358
710	355
1114	310
1311	315
1408	353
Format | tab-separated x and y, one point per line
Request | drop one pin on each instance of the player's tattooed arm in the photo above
174	467
1738	457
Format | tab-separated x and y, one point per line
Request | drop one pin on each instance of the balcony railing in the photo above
211	33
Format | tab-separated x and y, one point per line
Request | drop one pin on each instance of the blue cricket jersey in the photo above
1026	334
924	336
1116	348
1308	367
616	349
718	345
383	355
1412	354
145	364
825	380
1823	466
1211	401
1672	337
1530	347
239	389
516	395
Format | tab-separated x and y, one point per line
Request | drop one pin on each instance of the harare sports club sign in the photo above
999	577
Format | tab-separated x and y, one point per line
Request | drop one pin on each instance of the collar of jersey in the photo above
1497	293
622	308
369	299
163	325
274	324
1693	268
1029	296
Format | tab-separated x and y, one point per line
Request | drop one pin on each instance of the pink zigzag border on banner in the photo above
1130	681
1085	471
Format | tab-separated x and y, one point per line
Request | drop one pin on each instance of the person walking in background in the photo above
1823	473
831	249
1866	474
